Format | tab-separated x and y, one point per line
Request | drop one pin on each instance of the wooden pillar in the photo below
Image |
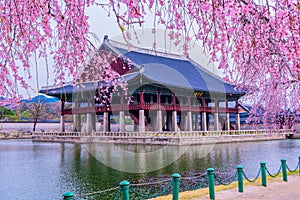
158	98
141	100
174	102
121	102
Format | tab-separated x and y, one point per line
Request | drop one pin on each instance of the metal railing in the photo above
172	186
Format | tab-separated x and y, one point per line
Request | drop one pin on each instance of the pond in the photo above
31	170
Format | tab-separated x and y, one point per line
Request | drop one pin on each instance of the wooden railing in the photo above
148	106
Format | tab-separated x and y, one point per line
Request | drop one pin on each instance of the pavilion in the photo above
169	92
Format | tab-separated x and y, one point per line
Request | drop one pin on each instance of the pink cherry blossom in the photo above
260	37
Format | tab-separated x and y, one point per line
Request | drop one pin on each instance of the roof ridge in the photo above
131	47
115	44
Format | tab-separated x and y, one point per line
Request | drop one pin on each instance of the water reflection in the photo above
46	170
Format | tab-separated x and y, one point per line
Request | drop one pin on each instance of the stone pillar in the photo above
216	116
216	121
62	117
237	122
159	122
79	123
122	121
106	122
198	127
76	123
189	121
89	123
183	124
174	121
74	117
227	122
94	121
141	120
169	120
237	116
152	123
62	123
204	125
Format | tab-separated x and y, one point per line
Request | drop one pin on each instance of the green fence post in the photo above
176	182
299	164
240	178
284	172
68	196
263	174
211	183
125	190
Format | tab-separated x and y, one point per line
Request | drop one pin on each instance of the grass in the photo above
203	192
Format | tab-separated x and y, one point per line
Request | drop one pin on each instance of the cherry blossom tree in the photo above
255	42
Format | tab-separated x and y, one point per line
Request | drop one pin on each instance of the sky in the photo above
101	25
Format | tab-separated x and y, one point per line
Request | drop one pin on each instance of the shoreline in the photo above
276	189
15	137
160	138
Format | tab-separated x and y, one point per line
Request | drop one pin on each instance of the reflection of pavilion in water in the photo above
169	93
147	158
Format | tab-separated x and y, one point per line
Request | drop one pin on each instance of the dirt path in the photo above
277	189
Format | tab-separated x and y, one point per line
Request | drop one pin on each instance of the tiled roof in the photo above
176	71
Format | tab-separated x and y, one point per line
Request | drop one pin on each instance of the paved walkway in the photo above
276	189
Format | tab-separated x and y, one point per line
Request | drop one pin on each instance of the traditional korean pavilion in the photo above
168	92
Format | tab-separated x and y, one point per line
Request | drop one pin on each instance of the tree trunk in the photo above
34	124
